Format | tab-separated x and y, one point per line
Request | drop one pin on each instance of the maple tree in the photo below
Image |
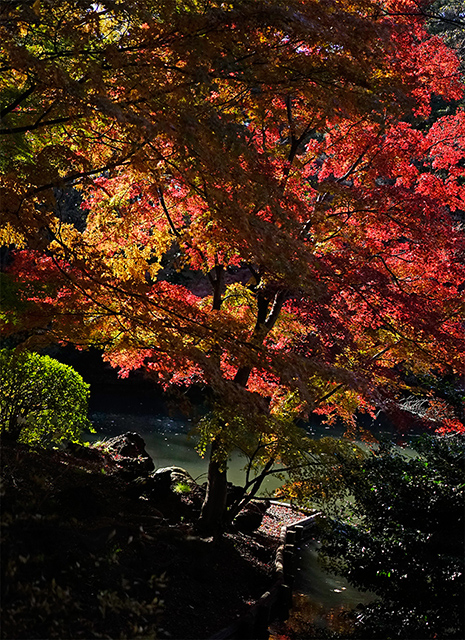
447	18
271	150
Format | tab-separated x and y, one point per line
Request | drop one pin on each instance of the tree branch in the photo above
38	125
22	96
167	213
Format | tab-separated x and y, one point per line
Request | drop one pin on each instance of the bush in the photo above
41	400
406	540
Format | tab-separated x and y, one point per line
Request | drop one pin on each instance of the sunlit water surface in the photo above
169	442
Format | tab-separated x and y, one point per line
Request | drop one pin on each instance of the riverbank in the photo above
81	557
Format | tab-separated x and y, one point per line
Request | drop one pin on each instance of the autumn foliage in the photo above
264	210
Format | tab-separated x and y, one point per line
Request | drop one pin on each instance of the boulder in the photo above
163	483
172	477
250	518
129	451
171	490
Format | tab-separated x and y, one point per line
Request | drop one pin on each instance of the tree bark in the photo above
212	514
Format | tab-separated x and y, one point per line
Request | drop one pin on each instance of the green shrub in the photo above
41	400
406	541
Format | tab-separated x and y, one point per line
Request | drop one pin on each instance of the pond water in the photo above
324	588
167	439
320	600
169	442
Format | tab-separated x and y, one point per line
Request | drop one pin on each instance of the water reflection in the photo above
310	619
321	601
324	588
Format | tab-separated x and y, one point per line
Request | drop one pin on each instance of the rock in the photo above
129	451
172	490
171	477
128	444
151	487
250	518
163	483
138	487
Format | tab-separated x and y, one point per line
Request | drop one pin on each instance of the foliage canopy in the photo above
269	152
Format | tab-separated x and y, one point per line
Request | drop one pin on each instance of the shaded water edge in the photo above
171	441
319	600
322	599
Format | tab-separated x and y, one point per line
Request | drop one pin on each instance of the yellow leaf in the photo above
9	235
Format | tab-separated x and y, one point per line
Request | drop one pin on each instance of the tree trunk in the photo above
211	519
213	514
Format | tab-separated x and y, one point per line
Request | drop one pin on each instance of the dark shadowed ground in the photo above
83	558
